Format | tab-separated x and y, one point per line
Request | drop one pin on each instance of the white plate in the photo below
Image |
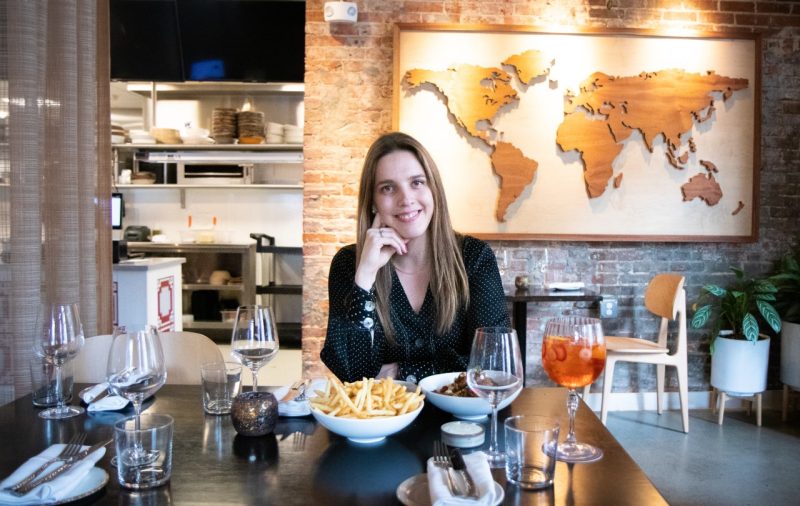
567	286
414	491
91	483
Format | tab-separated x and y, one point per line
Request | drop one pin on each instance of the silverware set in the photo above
70	456
459	481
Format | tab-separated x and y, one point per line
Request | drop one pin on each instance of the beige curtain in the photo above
54	205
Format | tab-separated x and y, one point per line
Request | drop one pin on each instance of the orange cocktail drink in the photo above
572	362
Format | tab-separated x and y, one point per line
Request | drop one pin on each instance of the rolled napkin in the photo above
90	394
51	491
108	403
478	468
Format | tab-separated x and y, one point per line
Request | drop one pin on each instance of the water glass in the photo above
154	435
221	383
531	449
43	383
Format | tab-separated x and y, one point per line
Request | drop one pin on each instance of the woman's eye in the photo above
418	182
385	189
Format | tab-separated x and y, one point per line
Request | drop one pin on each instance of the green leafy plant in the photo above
735	308
787	279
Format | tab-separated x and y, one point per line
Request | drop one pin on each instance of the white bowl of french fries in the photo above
465	408
366	411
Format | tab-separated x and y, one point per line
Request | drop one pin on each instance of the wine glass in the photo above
502	261
255	339
59	339
494	373
574	355
136	370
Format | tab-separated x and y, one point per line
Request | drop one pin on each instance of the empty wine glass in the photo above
574	355
255	339
136	370
494	373
60	337
502	261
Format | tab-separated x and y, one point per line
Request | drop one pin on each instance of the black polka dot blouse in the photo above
356	346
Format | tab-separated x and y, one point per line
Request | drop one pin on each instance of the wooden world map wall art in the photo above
591	136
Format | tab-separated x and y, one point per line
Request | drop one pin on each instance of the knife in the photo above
461	468
295	390
66	466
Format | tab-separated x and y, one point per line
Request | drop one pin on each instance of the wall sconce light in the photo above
341	12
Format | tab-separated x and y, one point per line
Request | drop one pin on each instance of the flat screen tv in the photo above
213	40
145	40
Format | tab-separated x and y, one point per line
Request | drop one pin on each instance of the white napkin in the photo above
91	394
51	491
479	470
108	403
298	408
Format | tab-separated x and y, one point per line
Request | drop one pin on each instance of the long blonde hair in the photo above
449	284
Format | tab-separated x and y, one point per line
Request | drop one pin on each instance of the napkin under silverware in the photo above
51	491
478	468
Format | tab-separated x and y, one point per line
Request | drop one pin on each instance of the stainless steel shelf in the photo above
211	147
253	186
191	287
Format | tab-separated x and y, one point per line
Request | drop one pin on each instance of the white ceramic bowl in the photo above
366	430
466	408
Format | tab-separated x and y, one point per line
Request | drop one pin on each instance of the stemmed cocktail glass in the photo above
255	338
494	373
59	339
574	355
136	370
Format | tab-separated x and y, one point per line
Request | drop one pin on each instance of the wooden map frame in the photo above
469	167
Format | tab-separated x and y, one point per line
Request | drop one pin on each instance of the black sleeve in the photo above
355	343
487	299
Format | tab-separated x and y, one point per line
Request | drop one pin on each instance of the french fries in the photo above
368	398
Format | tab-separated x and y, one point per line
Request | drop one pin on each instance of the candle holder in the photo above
254	413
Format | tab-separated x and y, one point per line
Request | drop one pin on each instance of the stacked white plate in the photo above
141	137
274	133
292	134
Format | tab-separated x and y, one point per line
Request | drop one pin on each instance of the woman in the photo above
406	299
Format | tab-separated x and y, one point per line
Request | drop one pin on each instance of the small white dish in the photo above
91	483
465	408
414	491
463	434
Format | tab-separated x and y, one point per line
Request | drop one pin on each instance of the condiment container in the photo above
463	434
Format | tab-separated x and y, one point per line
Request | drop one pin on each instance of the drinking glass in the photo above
136	370
574	355
59	339
494	373
255	339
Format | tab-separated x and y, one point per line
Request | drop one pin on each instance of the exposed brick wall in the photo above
349	102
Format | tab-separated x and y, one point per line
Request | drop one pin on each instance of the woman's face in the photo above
402	194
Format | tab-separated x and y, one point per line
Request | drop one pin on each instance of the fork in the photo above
303	389
71	448
298	441
442	460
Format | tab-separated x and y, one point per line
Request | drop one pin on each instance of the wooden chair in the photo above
664	297
184	353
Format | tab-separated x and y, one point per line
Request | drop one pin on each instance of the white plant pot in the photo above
790	354
739	368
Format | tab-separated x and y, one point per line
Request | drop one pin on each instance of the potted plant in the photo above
787	279
739	350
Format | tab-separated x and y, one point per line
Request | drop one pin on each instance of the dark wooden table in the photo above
519	306
304	464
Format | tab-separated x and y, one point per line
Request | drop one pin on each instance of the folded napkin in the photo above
479	470
54	490
90	394
108	403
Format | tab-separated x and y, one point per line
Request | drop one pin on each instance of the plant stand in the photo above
718	399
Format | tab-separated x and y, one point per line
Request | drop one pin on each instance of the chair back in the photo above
184	353
666	297
89	366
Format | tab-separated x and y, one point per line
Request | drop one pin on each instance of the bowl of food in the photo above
449	392
366	411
